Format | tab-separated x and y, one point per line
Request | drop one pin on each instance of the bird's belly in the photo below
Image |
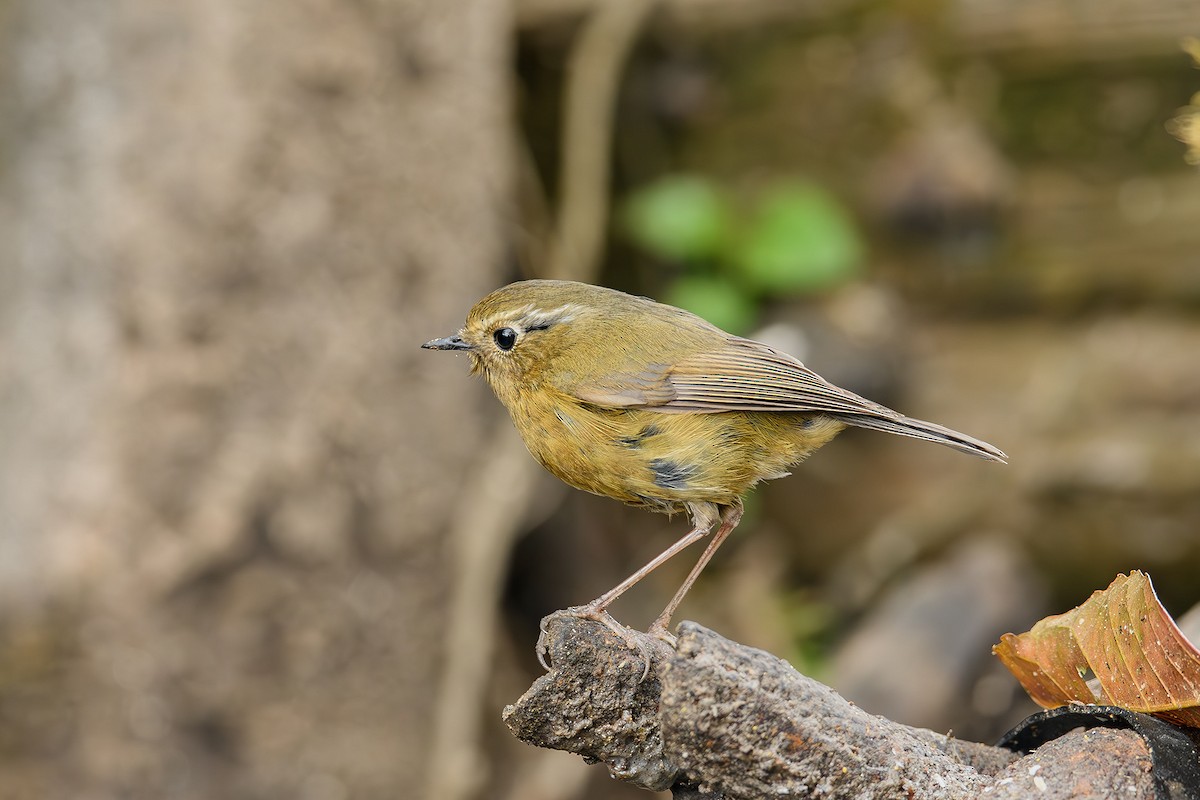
663	461
611	453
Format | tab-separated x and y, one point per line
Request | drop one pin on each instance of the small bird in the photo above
651	405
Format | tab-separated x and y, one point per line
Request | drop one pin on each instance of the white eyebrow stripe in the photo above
487	323
530	316
536	317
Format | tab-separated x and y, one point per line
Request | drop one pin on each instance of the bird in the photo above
652	405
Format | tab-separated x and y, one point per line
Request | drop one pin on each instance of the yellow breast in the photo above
662	460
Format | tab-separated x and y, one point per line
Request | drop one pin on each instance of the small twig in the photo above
593	78
481	533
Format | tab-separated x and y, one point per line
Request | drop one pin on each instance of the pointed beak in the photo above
454	342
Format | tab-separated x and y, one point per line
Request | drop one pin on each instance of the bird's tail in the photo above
929	431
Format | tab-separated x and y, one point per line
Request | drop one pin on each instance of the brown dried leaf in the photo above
1123	636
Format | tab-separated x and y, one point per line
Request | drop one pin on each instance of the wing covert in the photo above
737	375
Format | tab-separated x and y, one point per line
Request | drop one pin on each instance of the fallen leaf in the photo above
1122	636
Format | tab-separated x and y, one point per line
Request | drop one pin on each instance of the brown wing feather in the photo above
648	387
740	375
744	375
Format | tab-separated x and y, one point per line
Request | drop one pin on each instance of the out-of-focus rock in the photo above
1189	625
922	656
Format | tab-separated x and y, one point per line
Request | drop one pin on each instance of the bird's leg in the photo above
729	520
703	519
699	531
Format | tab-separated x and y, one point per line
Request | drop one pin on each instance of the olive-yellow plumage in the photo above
651	405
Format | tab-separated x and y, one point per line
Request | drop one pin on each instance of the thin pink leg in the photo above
729	520
691	537
702	519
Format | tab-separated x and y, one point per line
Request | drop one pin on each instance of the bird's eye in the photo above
505	338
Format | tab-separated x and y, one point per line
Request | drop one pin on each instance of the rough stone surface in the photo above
720	719
1096	763
594	703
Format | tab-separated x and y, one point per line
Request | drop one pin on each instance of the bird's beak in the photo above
454	342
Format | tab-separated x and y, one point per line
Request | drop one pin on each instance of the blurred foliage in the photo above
812	624
800	240
717	299
680	217
796	238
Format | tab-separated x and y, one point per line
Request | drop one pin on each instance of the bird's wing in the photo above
738	375
744	375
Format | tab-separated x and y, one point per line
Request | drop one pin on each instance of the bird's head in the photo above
518	331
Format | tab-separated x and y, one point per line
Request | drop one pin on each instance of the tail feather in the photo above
928	431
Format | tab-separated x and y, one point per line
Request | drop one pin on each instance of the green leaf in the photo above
800	240
681	217
715	299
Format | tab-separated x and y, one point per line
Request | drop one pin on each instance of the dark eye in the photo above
505	338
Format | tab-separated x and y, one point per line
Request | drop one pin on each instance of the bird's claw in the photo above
541	648
626	635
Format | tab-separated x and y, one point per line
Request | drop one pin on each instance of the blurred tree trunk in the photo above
225	228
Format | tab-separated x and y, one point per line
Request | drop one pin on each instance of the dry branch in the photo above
714	718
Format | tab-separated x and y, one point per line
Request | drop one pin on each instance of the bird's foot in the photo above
598	614
658	629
